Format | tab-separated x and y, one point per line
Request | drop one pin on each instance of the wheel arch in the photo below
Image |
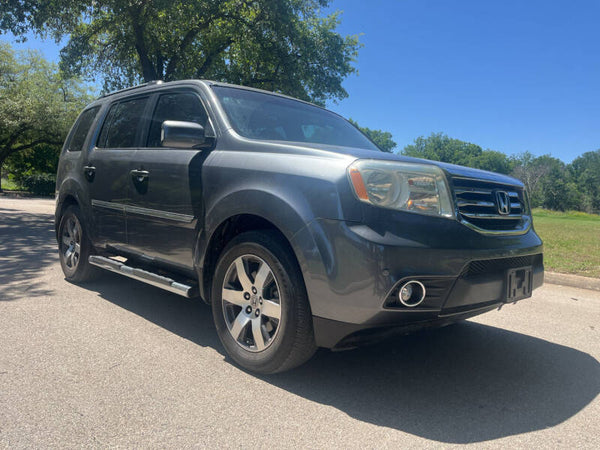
70	192
238	213
62	204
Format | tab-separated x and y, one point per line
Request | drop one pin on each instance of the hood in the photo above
352	153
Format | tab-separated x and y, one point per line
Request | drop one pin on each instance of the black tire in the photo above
264	344
74	247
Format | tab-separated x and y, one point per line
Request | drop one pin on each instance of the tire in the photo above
263	318
74	247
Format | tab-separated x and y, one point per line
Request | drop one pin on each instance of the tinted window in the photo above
176	106
122	124
80	131
259	115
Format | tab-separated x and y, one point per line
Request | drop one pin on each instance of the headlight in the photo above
419	188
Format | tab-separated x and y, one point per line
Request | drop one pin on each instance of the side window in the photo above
81	128
175	106
122	124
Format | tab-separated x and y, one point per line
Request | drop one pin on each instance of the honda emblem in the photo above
503	202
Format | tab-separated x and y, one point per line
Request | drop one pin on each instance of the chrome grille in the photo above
477	202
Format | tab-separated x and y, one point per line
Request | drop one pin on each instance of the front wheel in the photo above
260	306
74	247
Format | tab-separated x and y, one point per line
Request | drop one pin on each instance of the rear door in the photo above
108	170
166	197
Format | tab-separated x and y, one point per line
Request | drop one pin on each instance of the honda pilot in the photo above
286	219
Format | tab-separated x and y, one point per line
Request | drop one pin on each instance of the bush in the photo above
39	183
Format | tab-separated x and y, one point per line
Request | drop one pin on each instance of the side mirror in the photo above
181	134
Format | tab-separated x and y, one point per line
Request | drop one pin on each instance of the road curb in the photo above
565	279
22	195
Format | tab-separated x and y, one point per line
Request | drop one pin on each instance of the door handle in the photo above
139	175
89	172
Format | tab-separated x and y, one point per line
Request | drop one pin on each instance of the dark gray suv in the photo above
285	218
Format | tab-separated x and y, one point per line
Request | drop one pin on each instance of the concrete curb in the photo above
24	195
572	280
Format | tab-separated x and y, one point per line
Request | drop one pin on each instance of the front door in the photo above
167	195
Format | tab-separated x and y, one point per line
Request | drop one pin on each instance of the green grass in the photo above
571	241
8	185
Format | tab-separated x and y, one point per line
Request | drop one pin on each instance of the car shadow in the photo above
27	245
460	384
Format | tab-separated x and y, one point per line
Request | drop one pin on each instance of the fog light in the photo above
411	293
406	292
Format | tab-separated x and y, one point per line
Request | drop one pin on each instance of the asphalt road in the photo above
116	363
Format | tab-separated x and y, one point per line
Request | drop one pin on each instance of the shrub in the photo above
39	183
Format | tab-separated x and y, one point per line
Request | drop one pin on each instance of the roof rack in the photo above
149	83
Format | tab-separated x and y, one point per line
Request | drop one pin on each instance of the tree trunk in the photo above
148	69
1	162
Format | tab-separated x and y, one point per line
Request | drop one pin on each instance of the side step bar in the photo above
145	276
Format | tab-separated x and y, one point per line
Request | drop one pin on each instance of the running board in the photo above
145	276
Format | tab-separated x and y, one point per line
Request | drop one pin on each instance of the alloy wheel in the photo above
71	242
251	301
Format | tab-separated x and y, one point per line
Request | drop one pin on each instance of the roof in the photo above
208	82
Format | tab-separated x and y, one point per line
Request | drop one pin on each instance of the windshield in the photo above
257	115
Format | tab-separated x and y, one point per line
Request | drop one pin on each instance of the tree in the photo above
494	161
37	105
382	139
440	147
586	174
279	45
547	180
557	190
531	171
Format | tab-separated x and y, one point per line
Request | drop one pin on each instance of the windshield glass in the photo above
256	115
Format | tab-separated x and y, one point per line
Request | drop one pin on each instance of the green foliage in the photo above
585	171
531	171
279	45
439	147
382	139
42	158
37	107
10	185
494	161
558	192
39	183
555	185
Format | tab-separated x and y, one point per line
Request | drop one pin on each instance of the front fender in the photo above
289	191
286	217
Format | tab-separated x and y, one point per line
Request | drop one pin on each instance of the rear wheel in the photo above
74	247
260	307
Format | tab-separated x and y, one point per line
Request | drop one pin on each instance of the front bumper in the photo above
352	271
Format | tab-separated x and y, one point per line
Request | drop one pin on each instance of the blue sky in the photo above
507	75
